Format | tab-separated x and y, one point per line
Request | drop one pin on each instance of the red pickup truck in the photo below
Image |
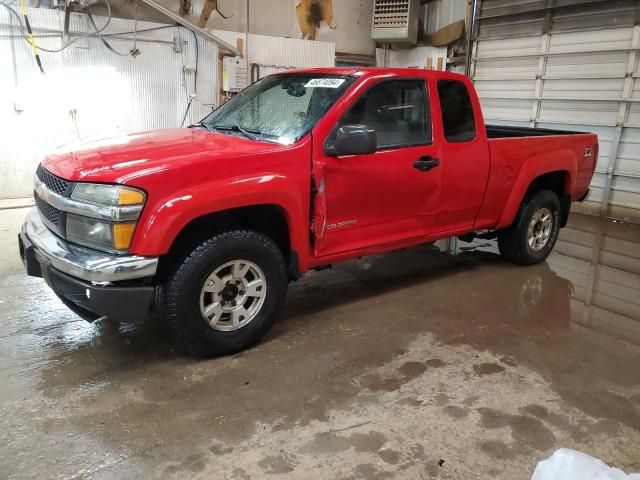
206	225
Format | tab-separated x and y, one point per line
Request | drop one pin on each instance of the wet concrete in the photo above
413	364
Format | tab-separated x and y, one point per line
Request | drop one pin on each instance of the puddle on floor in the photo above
113	393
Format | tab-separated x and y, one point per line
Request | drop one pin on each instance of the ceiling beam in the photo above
198	31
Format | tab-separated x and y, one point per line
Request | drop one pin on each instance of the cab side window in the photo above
457	111
396	110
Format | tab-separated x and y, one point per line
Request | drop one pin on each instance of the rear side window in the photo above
457	111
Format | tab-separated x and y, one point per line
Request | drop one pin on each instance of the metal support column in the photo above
542	63
623	113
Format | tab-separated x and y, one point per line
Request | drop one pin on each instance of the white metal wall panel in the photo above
418	57
568	68
89	93
440	13
629	152
281	52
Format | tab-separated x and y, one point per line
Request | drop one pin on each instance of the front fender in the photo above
558	160
162	221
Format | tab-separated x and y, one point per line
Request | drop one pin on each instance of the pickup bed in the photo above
205	226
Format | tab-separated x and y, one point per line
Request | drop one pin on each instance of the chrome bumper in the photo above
81	262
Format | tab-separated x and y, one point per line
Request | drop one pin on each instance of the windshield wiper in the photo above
250	134
202	124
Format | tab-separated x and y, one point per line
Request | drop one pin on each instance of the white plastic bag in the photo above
566	464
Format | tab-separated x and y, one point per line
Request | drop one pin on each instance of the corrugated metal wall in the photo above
90	93
573	65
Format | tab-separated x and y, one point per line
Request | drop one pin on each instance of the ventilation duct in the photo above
395	21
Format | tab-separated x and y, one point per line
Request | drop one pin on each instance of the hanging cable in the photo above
67	19
134	50
34	47
96	31
195	73
186	112
57	50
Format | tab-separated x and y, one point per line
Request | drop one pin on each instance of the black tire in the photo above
178	297
512	242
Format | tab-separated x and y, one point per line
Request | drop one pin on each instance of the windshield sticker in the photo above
324	83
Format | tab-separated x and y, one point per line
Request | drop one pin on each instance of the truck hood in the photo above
122	159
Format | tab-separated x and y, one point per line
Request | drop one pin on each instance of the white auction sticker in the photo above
324	82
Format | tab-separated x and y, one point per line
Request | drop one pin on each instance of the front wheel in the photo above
225	295
534	232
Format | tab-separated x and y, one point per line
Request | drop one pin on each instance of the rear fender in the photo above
534	167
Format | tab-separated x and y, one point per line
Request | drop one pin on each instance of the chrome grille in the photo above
50	213
53	183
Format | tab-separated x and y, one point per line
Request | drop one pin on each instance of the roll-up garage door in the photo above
568	64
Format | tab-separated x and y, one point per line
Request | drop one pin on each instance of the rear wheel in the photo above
534	232
225	295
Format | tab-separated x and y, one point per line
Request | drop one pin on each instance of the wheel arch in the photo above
559	182
269	219
555	172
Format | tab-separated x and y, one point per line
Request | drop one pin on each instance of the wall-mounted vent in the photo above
395	21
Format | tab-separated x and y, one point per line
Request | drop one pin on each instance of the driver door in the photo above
387	196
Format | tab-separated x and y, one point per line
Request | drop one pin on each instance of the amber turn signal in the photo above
122	235
127	196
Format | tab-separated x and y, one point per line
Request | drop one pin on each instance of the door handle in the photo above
424	164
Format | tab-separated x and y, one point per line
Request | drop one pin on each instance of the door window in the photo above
457	111
396	110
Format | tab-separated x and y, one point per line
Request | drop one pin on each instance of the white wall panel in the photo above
505	88
417	57
594	65
506	69
574	69
440	13
497	48
89	92
604	40
499	109
284	52
629	152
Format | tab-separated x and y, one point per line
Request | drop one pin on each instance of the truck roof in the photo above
377	71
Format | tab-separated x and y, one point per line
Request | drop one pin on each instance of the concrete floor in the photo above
409	365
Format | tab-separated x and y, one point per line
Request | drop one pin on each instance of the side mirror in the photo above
354	140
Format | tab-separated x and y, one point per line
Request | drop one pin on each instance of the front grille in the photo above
50	213
53	183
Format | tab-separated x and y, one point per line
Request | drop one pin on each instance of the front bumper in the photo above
84	278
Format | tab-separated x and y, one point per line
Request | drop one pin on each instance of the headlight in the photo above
113	237
116	195
109	218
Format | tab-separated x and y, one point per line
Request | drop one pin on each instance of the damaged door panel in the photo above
319	209
384	196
